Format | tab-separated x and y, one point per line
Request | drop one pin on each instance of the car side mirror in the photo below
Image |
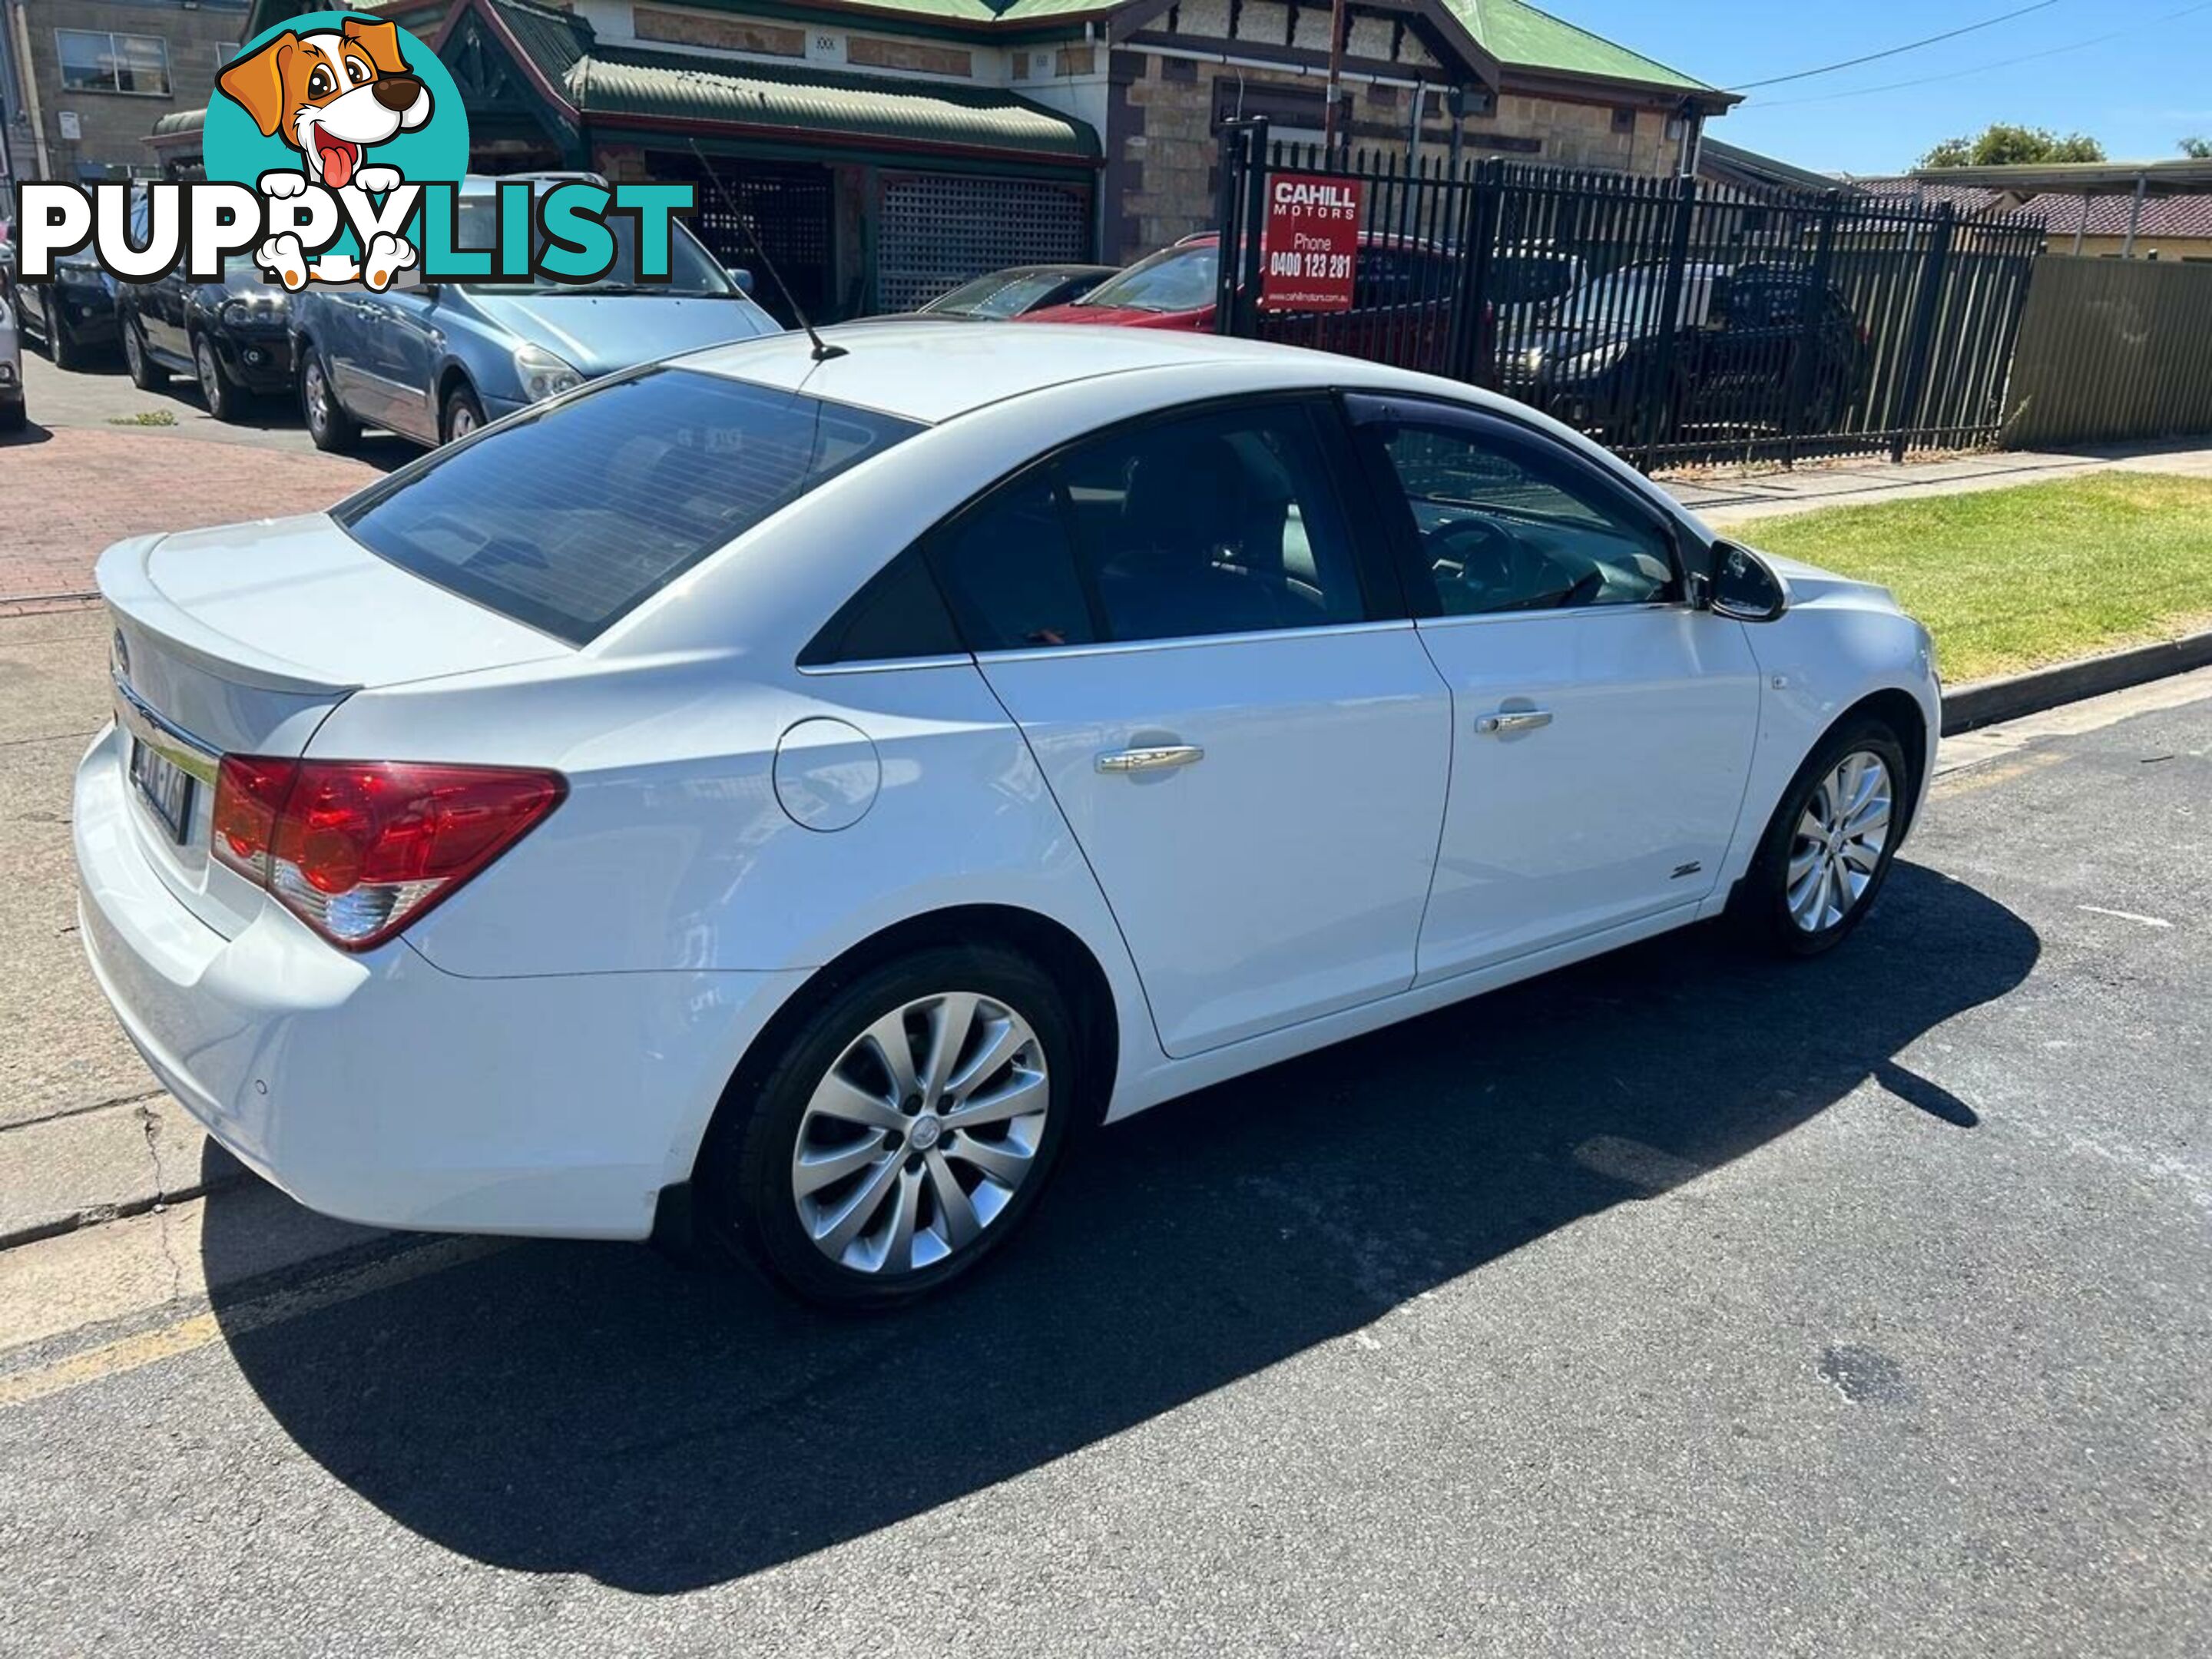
1743	585
742	277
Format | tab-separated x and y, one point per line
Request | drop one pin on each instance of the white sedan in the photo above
796	799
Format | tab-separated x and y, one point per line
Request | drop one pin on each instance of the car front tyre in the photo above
462	414
903	1132
62	345
146	374
328	424
218	391
1828	847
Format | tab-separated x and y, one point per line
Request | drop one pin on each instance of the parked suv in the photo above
433	361
74	313
232	336
1732	355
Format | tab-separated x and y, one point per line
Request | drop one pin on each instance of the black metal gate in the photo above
788	206
1675	321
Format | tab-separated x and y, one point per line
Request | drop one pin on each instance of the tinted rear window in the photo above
570	518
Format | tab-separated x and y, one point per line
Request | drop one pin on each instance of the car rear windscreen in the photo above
570	518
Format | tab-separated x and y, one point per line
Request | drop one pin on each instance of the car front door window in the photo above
1501	526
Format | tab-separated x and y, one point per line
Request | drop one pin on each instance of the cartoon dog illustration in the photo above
333	94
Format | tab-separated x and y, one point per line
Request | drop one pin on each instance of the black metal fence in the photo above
1676	321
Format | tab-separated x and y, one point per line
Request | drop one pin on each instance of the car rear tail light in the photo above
359	850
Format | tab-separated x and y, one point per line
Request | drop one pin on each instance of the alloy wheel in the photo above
1838	841
319	399
211	377
920	1134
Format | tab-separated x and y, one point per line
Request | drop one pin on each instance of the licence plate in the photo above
165	786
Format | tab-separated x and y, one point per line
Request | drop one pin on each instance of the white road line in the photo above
2125	915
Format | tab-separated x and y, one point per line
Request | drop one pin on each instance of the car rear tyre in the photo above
145	374
223	398
462	414
14	417
1828	847
902	1134
328	424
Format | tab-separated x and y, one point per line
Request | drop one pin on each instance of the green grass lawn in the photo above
2012	579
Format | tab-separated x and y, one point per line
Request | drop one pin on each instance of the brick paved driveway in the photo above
74	481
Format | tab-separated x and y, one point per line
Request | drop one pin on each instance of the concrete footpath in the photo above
1729	497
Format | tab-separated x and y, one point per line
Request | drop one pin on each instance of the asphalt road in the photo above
1679	1303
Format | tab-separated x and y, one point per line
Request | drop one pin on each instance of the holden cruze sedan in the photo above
793	801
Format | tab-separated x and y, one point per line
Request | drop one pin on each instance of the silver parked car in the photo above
11	349
433	361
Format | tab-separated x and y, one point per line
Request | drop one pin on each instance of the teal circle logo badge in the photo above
353	106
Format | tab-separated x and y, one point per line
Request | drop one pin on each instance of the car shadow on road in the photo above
592	1409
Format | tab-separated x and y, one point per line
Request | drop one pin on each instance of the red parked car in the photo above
1400	303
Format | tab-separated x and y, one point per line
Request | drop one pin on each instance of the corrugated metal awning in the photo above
618	84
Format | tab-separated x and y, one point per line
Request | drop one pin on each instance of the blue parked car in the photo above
433	361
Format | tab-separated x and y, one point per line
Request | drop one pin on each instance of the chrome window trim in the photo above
1555	613
889	664
1186	641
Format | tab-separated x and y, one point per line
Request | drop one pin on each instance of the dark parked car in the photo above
1016	292
75	314
233	336
1732	356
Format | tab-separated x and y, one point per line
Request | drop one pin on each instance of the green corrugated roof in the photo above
182	120
554	39
614	81
988	11
1523	37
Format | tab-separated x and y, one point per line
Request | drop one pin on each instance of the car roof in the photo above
934	371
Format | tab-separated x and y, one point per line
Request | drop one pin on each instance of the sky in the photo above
2138	94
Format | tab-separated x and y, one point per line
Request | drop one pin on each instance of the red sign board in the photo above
1311	243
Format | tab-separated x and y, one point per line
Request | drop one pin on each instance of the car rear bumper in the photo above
382	1089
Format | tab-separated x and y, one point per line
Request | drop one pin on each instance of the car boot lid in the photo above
296	605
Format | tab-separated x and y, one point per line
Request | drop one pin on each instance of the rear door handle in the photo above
1152	760
1512	720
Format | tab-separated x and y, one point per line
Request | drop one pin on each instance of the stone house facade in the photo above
886	149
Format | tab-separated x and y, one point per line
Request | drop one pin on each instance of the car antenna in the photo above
823	351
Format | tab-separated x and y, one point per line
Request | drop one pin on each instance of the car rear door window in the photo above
1225	521
896	615
1218	523
572	517
1009	571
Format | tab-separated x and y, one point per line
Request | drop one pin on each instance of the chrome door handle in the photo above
1152	760
1512	720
